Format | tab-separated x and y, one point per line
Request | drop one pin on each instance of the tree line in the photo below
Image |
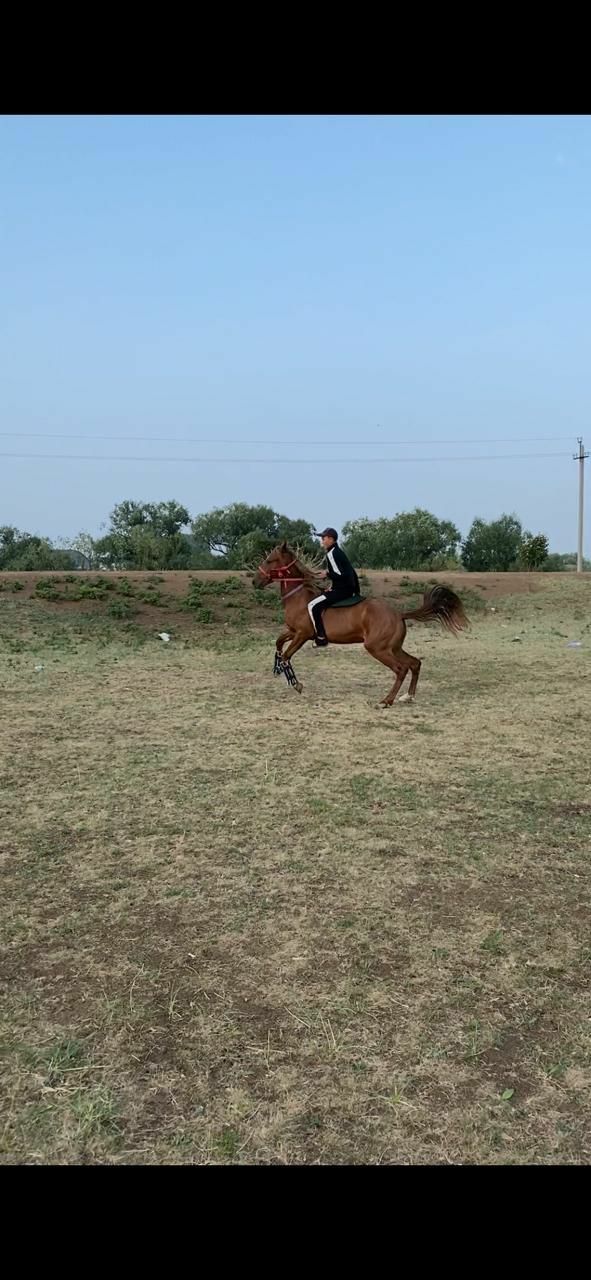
162	535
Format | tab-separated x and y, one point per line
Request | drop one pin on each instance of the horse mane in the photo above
310	566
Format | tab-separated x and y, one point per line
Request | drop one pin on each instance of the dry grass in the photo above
242	926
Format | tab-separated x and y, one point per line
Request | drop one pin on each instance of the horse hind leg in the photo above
388	659
414	665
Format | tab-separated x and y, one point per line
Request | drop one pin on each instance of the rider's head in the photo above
328	537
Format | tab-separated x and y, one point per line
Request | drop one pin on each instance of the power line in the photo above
280	462
382	444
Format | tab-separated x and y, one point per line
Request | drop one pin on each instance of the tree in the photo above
165	519
534	550
239	534
26	552
409	540
561	562
82	550
146	535
221	530
493	547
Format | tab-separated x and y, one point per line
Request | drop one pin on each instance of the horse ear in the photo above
283	546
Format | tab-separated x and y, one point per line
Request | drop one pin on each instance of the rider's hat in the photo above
328	533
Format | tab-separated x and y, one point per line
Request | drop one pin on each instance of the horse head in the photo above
276	567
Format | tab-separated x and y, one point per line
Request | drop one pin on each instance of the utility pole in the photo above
580	458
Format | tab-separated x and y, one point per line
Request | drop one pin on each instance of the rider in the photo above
344	583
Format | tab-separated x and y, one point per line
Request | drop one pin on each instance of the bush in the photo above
153	597
119	609
47	589
89	590
198	591
219	588
203	615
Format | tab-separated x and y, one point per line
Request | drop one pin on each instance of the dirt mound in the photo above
488	584
226	600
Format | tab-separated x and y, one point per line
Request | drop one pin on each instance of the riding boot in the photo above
321	640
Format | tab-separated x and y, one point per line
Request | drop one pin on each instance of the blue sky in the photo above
306	281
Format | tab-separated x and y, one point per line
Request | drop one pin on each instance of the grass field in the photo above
242	926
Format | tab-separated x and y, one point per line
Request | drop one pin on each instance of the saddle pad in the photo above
343	604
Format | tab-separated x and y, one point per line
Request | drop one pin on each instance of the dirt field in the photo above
242	926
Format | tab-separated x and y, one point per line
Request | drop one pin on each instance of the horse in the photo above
372	622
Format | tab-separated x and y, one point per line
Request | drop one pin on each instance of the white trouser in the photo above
311	605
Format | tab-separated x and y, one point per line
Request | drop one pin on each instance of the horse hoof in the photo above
298	687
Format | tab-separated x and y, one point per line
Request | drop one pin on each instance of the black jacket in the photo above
342	575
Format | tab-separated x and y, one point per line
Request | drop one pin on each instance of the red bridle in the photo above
281	573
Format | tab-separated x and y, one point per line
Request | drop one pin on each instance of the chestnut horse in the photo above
372	623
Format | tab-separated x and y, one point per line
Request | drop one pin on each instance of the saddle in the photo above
350	600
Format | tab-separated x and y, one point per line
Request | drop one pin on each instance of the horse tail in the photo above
440	605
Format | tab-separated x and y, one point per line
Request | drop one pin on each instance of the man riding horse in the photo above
344	584
371	622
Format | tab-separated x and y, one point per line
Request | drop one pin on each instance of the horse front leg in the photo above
278	665
298	640
286	634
